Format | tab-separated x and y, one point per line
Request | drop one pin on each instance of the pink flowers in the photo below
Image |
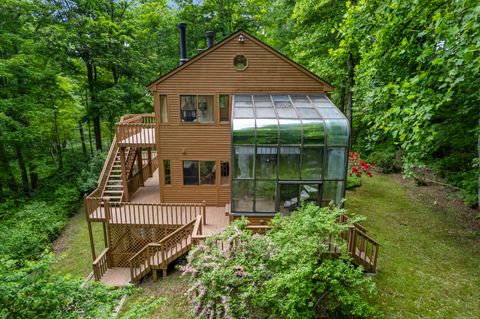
357	166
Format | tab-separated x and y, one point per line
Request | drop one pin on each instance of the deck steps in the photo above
113	189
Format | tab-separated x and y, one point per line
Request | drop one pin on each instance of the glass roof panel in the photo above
280	98
265	113
301	101
330	113
289	120
287	113
243	98
243	112
243	104
306	113
283	104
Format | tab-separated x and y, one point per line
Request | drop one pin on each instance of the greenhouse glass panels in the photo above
286	149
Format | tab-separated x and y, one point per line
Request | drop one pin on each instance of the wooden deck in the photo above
140	211
145	136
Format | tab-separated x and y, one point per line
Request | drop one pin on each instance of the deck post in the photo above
126	193
140	165
154	274
149	154
105	235
108	215
204	213
89	225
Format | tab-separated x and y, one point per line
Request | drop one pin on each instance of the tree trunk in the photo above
349	94
23	170
90	139
5	167
97	132
94	112
82	138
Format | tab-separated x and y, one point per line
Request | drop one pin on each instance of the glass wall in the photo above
286	149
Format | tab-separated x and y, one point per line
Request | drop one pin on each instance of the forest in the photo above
405	74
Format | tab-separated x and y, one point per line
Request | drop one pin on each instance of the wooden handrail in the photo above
144	256
112	153
100	265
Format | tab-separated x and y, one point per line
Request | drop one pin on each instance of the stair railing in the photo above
162	253
101	265
362	248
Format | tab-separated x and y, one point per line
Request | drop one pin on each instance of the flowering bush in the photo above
358	167
287	273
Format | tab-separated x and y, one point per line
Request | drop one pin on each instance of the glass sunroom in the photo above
286	149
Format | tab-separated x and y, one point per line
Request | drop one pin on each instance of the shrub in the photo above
288	273
353	181
386	161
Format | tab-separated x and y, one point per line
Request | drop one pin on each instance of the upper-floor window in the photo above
197	108
163	109
224	105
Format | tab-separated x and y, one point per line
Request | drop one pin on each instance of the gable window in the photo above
163	109
224	105
197	108
240	62
199	172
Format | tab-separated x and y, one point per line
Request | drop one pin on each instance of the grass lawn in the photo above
73	246
171	290
429	261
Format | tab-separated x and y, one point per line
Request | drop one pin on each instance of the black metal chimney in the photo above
183	42
210	35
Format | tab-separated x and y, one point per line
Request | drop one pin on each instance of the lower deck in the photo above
142	210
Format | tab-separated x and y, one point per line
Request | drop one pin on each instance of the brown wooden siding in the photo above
214	72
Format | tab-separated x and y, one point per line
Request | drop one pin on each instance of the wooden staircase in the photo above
113	190
157	256
152	257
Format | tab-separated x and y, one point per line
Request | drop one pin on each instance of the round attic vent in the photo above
240	62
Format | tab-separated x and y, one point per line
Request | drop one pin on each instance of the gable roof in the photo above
327	86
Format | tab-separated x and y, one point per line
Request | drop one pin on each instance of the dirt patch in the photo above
61	244
442	199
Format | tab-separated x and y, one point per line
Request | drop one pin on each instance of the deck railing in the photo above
137	130
159	255
101	264
363	249
154	214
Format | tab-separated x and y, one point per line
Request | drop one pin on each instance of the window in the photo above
225	171
224	104
240	62
197	109
166	172
163	109
199	172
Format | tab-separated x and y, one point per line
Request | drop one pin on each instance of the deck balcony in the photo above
136	130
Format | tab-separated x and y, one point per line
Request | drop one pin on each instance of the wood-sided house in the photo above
238	130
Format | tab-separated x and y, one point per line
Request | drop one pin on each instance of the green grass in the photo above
429	264
76	256
171	289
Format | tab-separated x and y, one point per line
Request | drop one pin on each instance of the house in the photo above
238	130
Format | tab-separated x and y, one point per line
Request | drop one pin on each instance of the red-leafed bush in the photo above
357	166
